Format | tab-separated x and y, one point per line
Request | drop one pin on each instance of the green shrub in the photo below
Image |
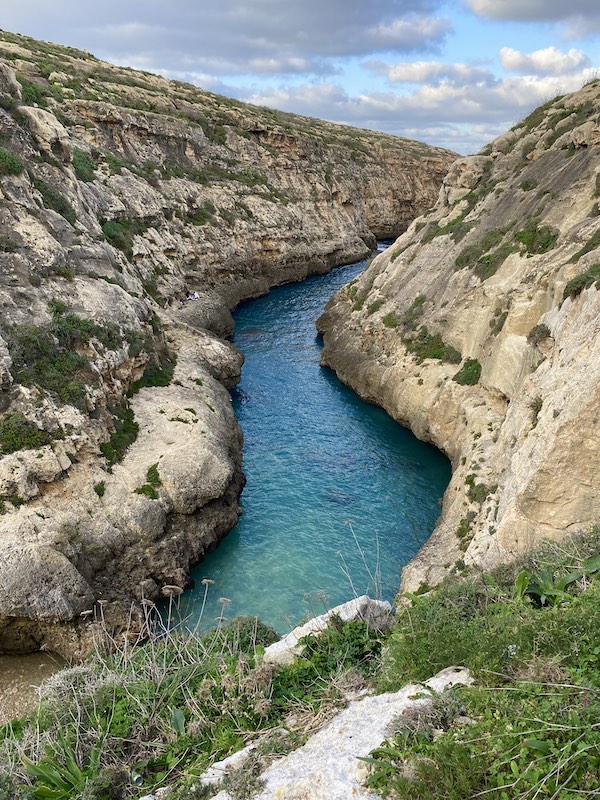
469	373
9	163
463	531
19	433
55	200
538	333
375	306
473	252
412	314
100	488
158	372
576	285
426	345
125	433
147	490
528	185
31	93
536	238
478	491
592	243
391	320
120	233
83	165
6	245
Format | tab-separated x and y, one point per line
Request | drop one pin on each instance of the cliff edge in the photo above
479	330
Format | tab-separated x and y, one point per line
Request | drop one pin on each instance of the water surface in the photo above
339	497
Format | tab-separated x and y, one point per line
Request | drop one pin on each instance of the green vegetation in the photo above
469	373
576	285
536	238
391	320
163	712
528	184
592	243
529	633
100	488
538	334
120	233
19	433
31	93
9	163
478	491
425	345
125	433
411	315
497	321
46	357
477	256
152	481
375	306
158	372
201	216
83	164
536	406
55	200
464	532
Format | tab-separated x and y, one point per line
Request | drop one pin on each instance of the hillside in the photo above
122	191
479	329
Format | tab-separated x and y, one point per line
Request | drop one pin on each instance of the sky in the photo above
455	73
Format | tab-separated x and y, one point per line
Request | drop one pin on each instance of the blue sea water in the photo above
339	497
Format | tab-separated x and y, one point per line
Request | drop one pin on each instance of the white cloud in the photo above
459	116
425	71
550	61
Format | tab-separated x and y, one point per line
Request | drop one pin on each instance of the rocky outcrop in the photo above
122	191
377	613
329	765
478	329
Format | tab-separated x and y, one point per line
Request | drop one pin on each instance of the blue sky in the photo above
450	72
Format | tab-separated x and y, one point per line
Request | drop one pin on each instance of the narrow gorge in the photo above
136	213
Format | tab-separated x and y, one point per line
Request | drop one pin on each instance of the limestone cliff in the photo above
121	191
479	329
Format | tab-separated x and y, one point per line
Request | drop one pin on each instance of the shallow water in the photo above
20	677
339	497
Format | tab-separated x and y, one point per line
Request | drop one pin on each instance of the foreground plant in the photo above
142	716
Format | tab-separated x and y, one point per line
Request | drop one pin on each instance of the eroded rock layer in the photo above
479	329
122	191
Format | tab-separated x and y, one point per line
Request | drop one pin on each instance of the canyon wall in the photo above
122	191
479	329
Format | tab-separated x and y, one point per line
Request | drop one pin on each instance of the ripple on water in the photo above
315	457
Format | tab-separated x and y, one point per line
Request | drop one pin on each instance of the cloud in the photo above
426	71
534	9
550	61
235	36
457	115
581	18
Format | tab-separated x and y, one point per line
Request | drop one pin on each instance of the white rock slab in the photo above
377	613
326	767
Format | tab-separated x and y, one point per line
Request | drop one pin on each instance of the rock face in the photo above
327	766
479	330
120	454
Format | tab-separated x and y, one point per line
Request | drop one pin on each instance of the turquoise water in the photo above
339	497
